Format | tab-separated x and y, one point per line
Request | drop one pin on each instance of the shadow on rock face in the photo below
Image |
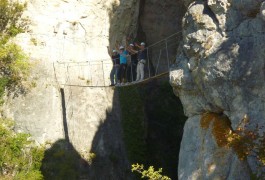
105	159
62	161
108	145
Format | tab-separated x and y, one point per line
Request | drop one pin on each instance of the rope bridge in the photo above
96	73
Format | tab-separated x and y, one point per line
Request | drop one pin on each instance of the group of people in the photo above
128	64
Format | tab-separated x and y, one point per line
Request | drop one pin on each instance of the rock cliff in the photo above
67	42
220	68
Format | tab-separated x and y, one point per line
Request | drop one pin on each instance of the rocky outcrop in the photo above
220	68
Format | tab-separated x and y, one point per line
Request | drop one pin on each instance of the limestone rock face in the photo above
68	41
220	68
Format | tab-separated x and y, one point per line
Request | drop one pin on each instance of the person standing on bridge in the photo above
114	74
142	56
131	69
123	63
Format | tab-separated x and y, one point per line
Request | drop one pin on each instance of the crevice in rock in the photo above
65	126
208	11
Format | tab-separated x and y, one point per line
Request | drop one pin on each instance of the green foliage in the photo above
3	84
19	158
89	157
150	173
11	22
14	64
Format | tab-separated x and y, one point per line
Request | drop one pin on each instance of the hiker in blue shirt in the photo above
123	63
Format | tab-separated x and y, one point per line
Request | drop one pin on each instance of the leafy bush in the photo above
11	22
150	173
14	67
19	158
14	64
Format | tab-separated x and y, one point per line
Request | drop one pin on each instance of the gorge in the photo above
218	73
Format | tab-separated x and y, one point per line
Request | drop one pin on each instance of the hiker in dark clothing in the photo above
131	69
114	74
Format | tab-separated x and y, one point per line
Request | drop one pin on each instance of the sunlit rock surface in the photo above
68	41
220	68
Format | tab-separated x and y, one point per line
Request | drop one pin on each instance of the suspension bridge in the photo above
96	72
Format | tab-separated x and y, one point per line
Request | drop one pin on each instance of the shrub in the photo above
11	22
19	158
150	173
14	64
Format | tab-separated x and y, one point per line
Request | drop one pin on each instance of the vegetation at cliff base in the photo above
19	158
149	173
